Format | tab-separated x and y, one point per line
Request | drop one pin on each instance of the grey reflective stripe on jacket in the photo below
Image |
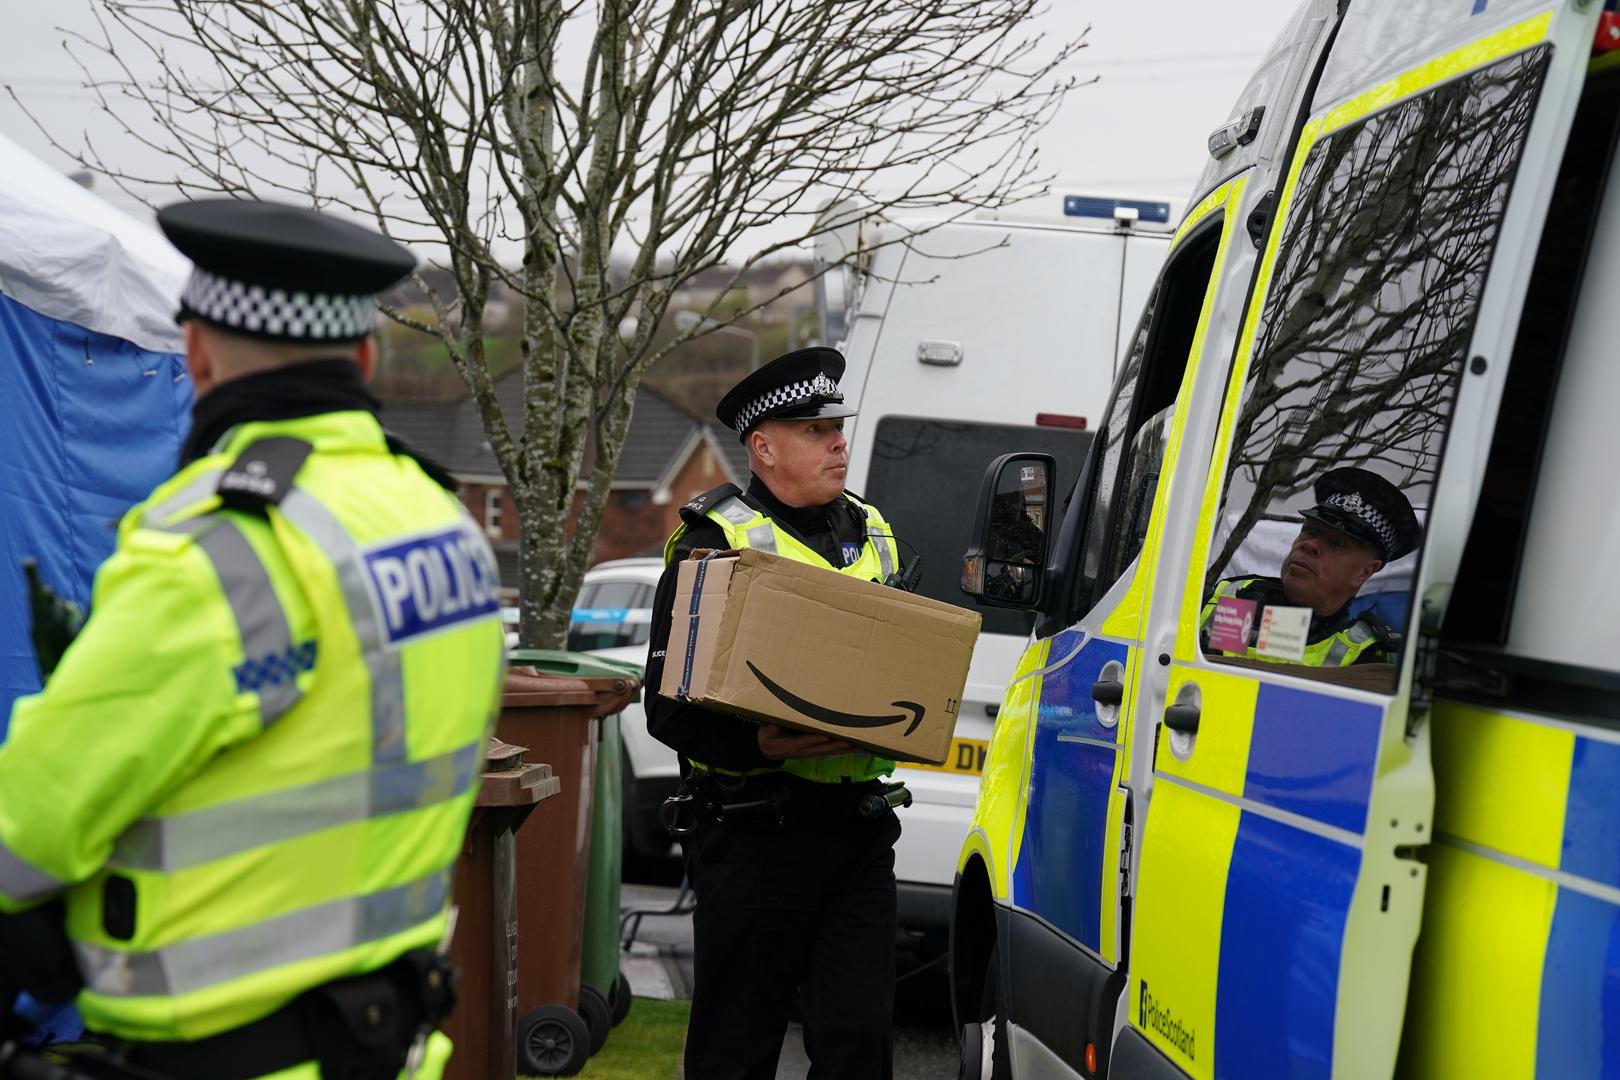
199	488
761	537
1357	636
323	930
215	832
21	880
881	541
736	511
382	663
271	661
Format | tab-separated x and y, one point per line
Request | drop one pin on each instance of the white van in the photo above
963	342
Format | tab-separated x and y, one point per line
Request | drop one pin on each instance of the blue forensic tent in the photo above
94	397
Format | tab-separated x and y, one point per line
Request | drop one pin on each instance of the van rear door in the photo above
1281	870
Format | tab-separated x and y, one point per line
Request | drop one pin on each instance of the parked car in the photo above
612	618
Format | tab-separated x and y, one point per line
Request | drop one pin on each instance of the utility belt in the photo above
776	800
358	1028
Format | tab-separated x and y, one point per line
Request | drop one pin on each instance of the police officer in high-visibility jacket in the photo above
248	780
1361	522
795	885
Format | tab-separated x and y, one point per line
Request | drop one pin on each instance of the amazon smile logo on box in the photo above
824	715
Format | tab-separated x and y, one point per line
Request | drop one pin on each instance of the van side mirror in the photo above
1006	566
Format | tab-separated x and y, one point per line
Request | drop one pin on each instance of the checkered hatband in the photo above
1351	503
818	390
276	313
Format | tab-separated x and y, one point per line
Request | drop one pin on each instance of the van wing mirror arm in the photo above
1063	555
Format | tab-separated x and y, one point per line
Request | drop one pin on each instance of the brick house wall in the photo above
478	498
635	522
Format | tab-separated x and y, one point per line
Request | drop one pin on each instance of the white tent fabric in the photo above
69	254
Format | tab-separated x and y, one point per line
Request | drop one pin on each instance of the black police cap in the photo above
1365	505
800	385
275	271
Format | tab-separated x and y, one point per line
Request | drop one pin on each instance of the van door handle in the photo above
1182	718
1108	692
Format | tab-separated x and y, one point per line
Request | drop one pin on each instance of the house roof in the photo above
452	432
658	432
735	453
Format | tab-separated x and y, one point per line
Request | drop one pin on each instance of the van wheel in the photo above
985	1053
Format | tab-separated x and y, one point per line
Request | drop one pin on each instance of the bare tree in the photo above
591	155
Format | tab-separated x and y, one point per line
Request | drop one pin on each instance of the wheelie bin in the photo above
482	945
599	969
559	718
602	981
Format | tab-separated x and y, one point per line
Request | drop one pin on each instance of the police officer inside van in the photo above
1361	522
792	867
228	822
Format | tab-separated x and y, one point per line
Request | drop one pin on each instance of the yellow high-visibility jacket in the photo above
252	771
747	527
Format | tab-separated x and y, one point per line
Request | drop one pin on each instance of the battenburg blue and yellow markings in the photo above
1284	878
1063	856
1287	900
1313	754
1525	816
1288	890
431	582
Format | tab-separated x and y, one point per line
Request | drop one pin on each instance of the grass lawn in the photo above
647	1046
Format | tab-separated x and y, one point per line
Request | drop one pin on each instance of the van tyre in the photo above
552	1041
971	1041
597	1014
986	1054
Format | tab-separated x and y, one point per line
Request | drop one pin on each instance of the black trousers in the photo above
804	909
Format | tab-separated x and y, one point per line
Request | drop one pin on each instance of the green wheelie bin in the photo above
604	991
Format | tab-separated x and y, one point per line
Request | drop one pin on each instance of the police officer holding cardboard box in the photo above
792	857
237	803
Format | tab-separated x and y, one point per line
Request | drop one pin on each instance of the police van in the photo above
1189	857
965	339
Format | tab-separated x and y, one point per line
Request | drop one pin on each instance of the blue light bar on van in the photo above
1094	207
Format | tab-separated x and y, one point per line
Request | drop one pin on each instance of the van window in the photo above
1361	344
1127	472
927	517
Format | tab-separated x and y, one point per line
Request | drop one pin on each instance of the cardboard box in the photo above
813	649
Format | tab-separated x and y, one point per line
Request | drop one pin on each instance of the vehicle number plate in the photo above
967	756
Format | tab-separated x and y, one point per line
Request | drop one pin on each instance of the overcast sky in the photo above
1168	72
